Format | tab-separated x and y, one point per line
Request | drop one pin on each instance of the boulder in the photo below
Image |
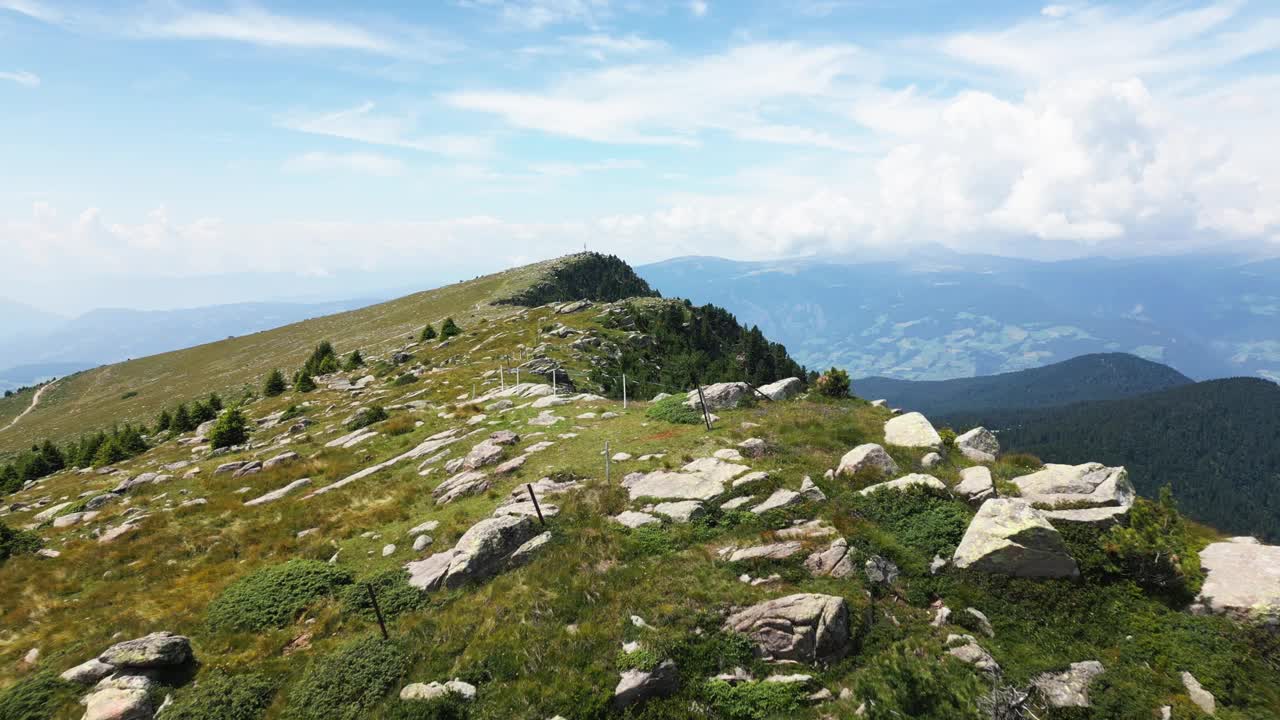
465	483
634	519
1242	580
807	627
774	551
665	485
638	686
483	551
1010	537
157	650
715	469
482	455
118	704
905	482
784	389
975	484
880	570
88	672
966	649
437	690
1069	688
778	500
1088	484
833	562
931	460
280	492
979	445
1102	517
1201	697
720	396
809	490
911	430
280	459
868	456
684	511
752	447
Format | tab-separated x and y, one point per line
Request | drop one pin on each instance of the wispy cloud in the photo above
699	7
32	9
363	123
259	27
538	14
22	77
355	162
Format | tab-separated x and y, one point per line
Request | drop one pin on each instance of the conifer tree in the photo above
354	360
428	333
449	328
182	420
229	430
164	420
275	384
303	382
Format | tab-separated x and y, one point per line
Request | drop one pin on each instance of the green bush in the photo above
948	437
754	701
917	518
449	328
219	695
273	596
1154	548
910	682
673	410
449	707
229	430
323	360
405	379
344	684
35	697
834	383
303	382
395	595
367	416
16	542
275	384
354	360
428	333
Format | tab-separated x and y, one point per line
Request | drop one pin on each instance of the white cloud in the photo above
32	9
357	162
22	77
259	27
1055	11
699	8
576	169
363	124
538	14
671	103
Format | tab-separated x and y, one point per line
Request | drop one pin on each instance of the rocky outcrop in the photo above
966	649
157	650
979	445
488	548
774	551
1010	537
835	561
905	482
1242	580
699	480
638	686
911	430
279	493
1090	484
720	396
1069	688
975	485
867	457
1102	517
123	674
784	389
806	627
438	690
1201	697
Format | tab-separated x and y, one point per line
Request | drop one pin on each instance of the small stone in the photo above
388	549
421	542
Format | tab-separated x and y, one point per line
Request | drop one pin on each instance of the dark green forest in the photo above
1217	443
585	276
1105	376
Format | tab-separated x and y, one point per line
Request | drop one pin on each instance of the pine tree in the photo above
303	382
214	403
449	328
428	333
164	420
275	384
182	420
52	456
354	360
229	430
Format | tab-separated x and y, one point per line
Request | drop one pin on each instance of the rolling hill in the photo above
1106	376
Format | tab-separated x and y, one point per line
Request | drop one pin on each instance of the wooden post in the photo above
703	401
377	610
536	507
607	460
624	391
502	377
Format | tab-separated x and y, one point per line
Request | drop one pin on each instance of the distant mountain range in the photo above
1107	376
938	314
51	346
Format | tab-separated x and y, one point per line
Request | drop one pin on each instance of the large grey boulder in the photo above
438	690
1069	688
1010	537
720	396
637	686
835	561
869	456
1099	517
488	548
784	389
905	482
975	484
483	454
807	627
118	704
979	445
773	551
665	485
88	672
1201	697
1242	580
157	650
1090	484
911	430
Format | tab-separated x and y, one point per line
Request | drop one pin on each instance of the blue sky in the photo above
441	139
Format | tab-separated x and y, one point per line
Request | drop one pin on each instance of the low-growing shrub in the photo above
230	430
395	595
273	596
399	425
130	394
367	416
219	695
35	697
917	518
1154	548
753	701
344	684
405	379
833	383
16	542
673	410
449	707
910	682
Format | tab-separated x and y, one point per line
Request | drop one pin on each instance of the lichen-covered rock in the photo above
1201	697
911	430
720	396
784	389
437	690
665	485
632	519
975	484
1100	517
684	511
157	650
88	672
118	704
966	649
907	481
1010	537
867	456
1242	580
979	445
1088	484
483	551
638	686
1069	688
779	499
807	627
773	551
835	561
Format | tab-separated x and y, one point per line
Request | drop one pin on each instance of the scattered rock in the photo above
461	485
1242	580
775	551
685	511
634	519
638	686
280	459
753	447
157	650
720	396
778	500
810	491
281	492
436	690
867	456
784	389
880	570
88	672
833	562
421	542
984	624
1010	537
483	551
1091	483
736	503
1201	697
911	430
1103	517
482	455
966	649
249	468
979	445
1069	688
805	627
975	484
930	461
665	485
905	482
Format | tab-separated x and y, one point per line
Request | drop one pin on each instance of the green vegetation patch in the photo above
673	410
273	596
395	595
344	684
219	695
754	701
367	416
16	542
918	518
36	697
910	682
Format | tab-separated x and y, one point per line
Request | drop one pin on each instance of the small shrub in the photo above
449	328
449	707
292	412
1154	548
395	595
948	437
428	333
303	382
130	394
219	695
354	360
399	425
647	541
910	682
917	518
273	596
367	416
16	542
755	700
275	384
673	410
405	379
35	697
229	430
834	383
345	684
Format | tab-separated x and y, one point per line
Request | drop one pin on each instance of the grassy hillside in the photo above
271	594
1214	442
1088	377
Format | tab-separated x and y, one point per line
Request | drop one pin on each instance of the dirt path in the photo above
35	400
